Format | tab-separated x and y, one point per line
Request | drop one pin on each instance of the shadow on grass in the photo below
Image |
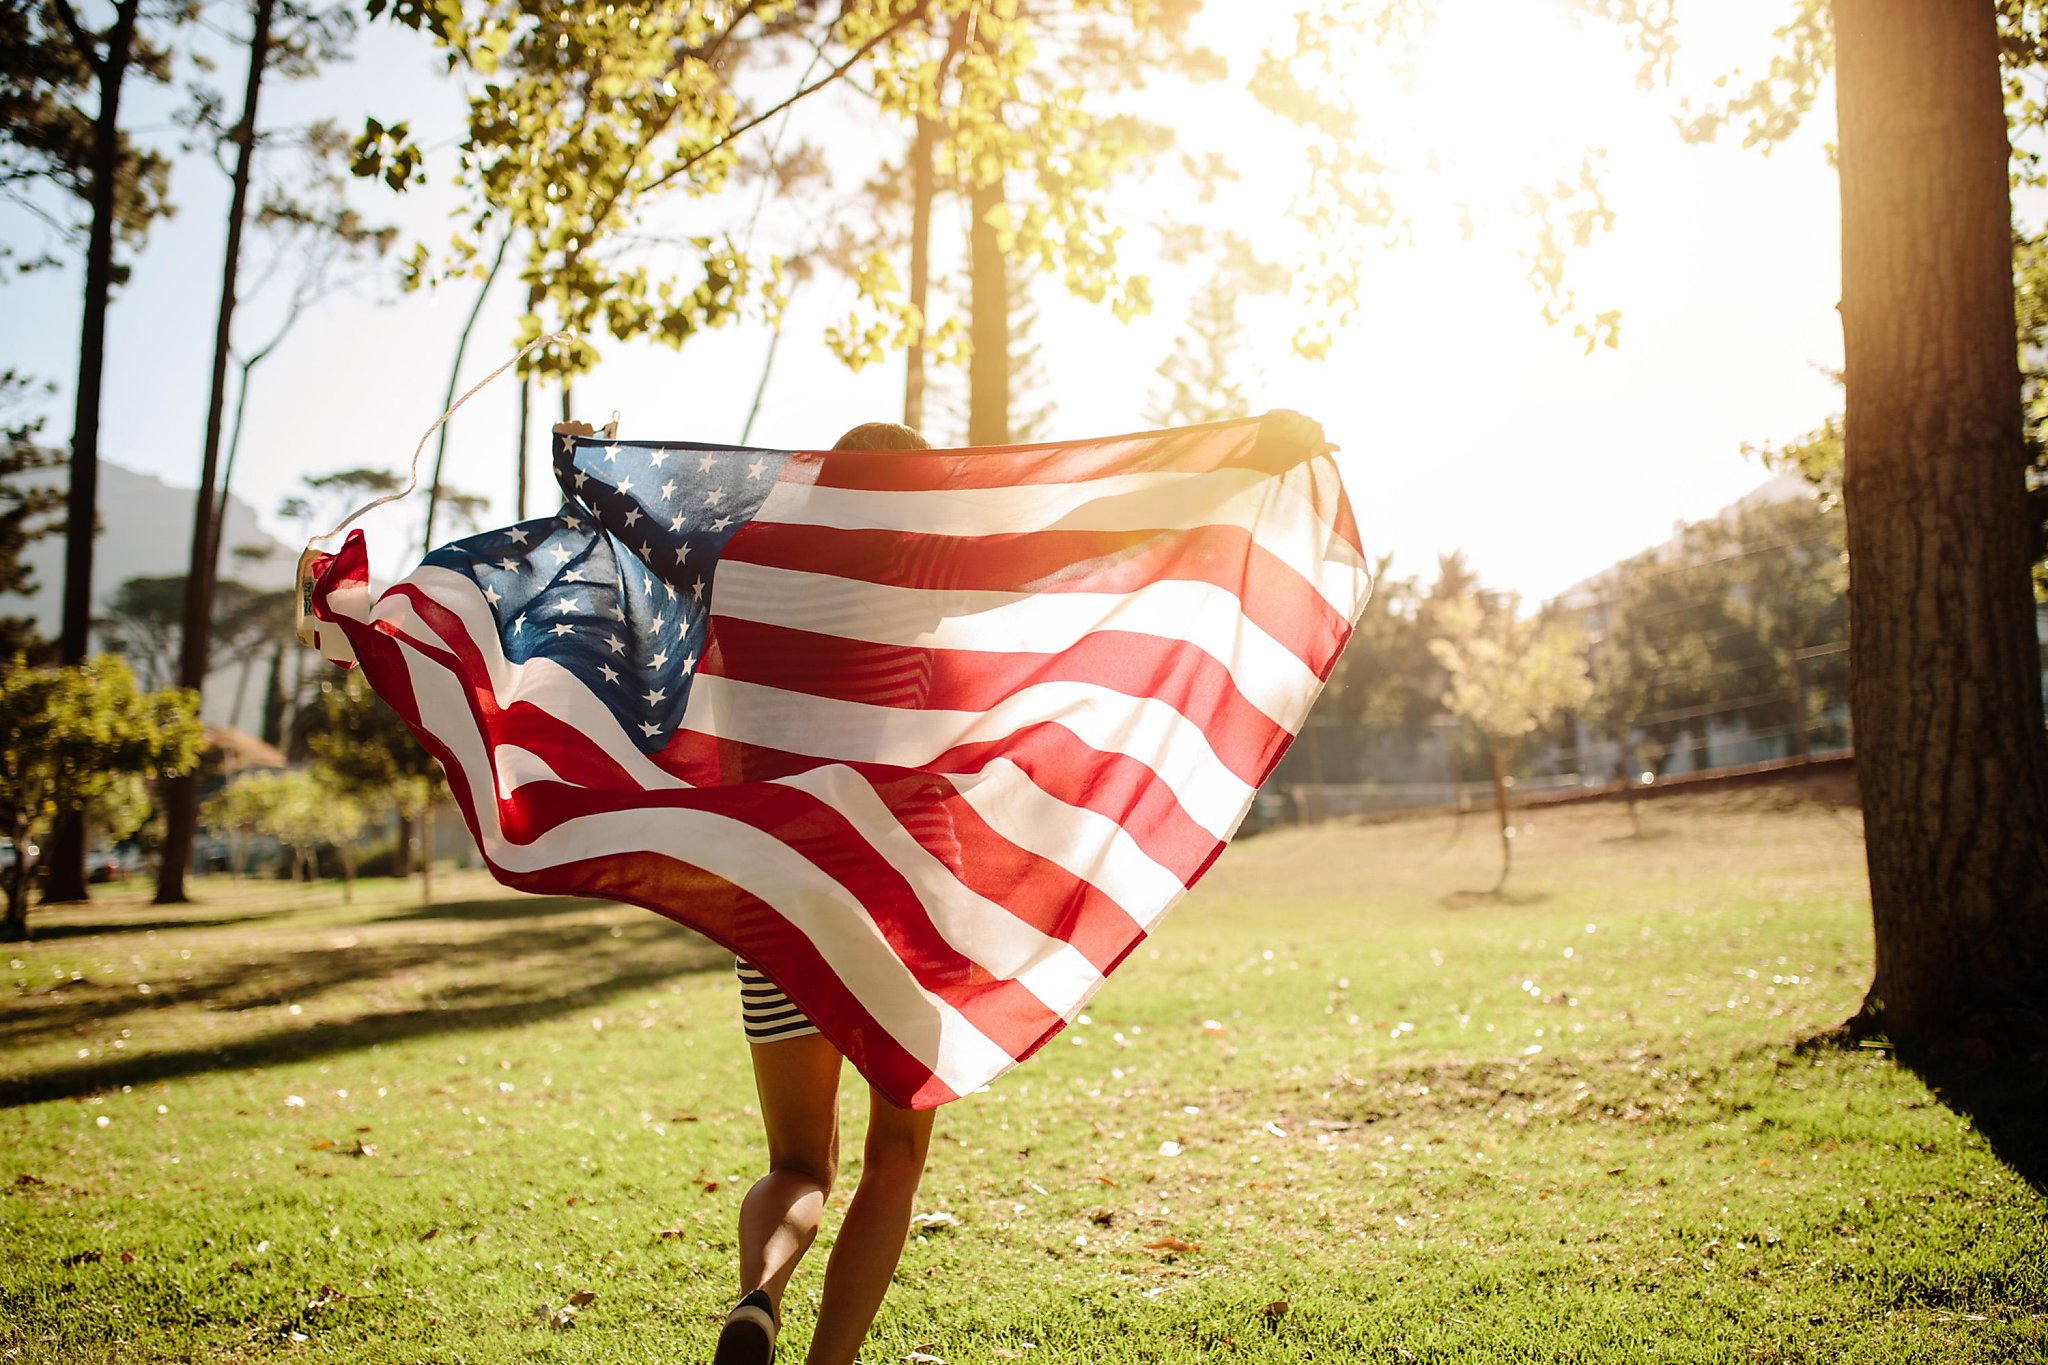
500	908
42	931
1649	835
2008	1105
521	975
1472	900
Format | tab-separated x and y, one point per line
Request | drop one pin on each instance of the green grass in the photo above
1383	1117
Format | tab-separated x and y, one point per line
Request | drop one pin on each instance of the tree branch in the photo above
801	92
88	45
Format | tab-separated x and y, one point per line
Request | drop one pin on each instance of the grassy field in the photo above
1343	1107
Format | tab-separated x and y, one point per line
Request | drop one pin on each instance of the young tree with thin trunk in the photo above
1509	677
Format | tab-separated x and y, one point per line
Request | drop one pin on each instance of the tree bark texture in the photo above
1945	683
988	367
181	794
65	879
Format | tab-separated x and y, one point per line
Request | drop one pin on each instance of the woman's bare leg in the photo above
871	1238
798	1081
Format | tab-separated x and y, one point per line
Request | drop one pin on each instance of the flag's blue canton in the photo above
616	587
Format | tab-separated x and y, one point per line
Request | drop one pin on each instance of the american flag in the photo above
933	738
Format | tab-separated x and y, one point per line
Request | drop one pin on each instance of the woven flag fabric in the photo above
933	738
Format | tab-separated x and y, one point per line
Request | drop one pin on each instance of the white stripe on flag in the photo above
1275	510
979	929
1153	733
1085	843
1266	672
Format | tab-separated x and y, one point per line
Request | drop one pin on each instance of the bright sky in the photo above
1465	422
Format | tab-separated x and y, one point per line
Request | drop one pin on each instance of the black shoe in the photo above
748	1337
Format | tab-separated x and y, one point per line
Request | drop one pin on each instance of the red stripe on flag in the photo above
1275	597
1244	738
1056	759
1186	450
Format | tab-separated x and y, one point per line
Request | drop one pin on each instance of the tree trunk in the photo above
14	929
1628	782
64	879
454	374
988	367
533	297
273	699
1497	763
519	464
401	856
181	794
1945	683
426	842
761	388
921	194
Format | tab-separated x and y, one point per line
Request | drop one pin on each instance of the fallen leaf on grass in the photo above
326	1298
82	1258
1106	1181
127	1258
935	1220
677	1231
323	1144
1173	1246
1275	1310
563	1318
430	1234
682	1118
362	1148
709	1186
924	1355
26	1179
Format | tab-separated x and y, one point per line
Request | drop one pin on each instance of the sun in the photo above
1492	102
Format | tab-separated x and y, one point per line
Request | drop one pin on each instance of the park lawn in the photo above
1341	1107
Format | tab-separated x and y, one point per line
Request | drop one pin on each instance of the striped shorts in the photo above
767	1013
